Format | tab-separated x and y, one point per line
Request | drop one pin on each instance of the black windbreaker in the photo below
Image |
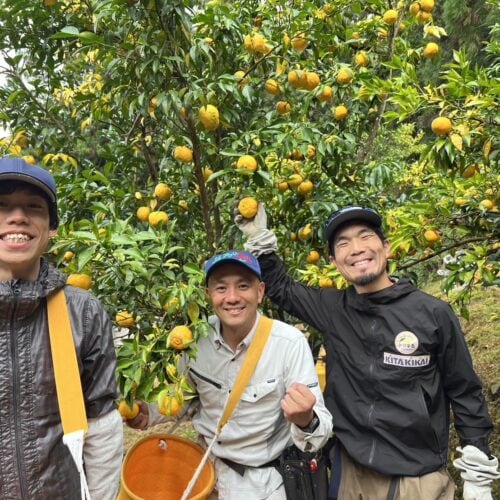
396	360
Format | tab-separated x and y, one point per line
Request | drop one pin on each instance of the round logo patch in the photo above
406	342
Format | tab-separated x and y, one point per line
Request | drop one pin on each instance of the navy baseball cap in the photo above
347	214
233	257
16	169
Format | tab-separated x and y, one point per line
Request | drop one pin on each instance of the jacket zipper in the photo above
372	406
15	377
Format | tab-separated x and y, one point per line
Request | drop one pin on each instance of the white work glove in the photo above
478	472
260	240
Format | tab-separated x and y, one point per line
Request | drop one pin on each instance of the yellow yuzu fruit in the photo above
158	217
340	112
297	78
313	257
209	117
312	80
432	31
68	256
441	125
431	50
126	411
143	213
414	8
283	107
305	188
293	236
81	280
299	43
183	205
424	17
248	162
311	151
283	186
390	16
325	94
326	282
125	319
180	338
361	59
29	159
163	191
248	207
272	87
460	202
426	5
183	154
486	204
170	407
294	180
305	233
431	236
345	76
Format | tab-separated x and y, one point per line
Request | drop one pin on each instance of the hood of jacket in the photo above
25	296
370	301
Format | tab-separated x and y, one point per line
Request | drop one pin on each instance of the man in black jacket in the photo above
396	361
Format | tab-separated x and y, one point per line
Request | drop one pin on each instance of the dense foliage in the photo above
335	101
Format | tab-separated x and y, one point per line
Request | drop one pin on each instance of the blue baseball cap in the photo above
347	214
16	169
245	259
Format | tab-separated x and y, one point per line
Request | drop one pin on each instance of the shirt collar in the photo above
219	340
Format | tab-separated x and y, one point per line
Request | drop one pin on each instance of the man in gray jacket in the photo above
35	463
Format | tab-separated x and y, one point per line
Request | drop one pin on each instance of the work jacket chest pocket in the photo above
262	397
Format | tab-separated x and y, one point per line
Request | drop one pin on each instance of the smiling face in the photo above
235	293
361	257
24	233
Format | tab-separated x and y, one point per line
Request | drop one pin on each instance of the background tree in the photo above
158	116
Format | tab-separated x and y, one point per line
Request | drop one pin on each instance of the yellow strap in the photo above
247	369
67	374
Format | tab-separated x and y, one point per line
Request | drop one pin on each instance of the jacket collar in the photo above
367	301
24	297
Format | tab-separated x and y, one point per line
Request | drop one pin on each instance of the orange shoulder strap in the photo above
247	369
67	374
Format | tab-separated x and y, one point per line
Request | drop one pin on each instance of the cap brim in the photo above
355	214
15	176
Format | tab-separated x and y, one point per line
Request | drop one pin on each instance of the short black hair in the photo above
11	186
376	229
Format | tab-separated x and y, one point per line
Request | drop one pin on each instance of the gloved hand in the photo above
252	227
473	491
260	240
478	472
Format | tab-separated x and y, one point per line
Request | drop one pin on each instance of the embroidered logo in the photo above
406	342
406	361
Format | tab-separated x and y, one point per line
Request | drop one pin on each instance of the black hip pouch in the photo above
305	474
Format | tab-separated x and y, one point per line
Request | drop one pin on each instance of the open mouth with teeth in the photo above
16	238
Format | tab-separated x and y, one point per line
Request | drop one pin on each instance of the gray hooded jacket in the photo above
34	463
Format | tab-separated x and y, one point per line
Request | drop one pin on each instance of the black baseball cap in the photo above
347	214
16	169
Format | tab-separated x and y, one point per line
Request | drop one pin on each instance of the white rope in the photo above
74	441
199	470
